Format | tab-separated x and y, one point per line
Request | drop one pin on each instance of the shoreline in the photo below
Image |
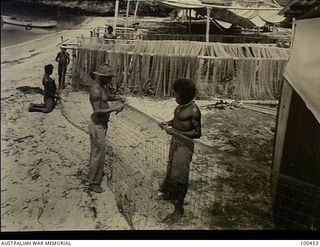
44	176
44	36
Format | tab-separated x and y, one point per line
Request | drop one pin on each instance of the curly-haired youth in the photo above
186	89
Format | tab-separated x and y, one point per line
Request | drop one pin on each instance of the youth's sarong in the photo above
180	156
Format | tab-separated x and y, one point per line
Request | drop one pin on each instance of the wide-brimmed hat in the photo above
105	70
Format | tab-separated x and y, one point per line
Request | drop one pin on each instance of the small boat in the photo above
27	23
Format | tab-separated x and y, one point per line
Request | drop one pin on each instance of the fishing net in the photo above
221	193
149	67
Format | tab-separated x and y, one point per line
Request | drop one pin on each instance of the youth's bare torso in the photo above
185	117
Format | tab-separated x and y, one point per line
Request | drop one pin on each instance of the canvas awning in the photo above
256	16
257	21
224	24
302	71
271	16
256	11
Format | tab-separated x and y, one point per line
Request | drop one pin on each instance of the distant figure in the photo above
49	93
185	126
109	35
173	14
99	97
137	34
63	60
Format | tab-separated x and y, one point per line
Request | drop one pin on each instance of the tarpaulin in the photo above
257	21
224	24
257	17
245	13
271	16
303	68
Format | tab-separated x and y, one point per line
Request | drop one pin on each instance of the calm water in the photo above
11	34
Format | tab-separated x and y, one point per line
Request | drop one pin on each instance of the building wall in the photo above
297	199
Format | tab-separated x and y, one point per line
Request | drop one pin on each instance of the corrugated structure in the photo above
239	71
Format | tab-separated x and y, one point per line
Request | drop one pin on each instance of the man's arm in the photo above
165	124
196	125
68	58
113	97
169	123
117	108
95	97
57	57
195	133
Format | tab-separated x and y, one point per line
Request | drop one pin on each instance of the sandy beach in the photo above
41	173
45	157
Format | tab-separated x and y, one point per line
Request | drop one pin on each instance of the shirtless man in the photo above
49	96
137	34
63	60
185	126
109	35
99	97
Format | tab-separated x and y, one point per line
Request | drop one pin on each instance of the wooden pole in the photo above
136	10
127	16
241	8
116	11
189	24
208	24
293	30
281	128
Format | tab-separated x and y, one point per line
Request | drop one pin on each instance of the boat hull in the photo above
28	23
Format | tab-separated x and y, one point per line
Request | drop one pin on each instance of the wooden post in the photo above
127	17
136	10
208	24
283	114
293	30
116	11
125	76
282	119
189	24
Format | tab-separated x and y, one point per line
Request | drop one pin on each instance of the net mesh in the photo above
231	71
225	191
218	197
297	205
